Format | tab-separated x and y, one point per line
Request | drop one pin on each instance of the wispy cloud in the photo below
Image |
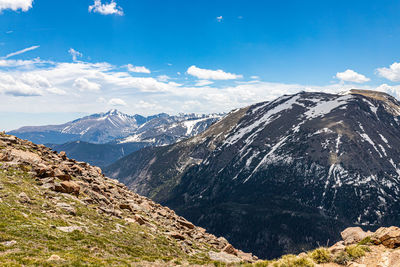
75	54
137	69
106	9
22	51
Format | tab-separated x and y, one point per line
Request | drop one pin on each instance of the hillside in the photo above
57	211
100	155
282	176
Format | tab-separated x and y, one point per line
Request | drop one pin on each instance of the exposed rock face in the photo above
281	176
353	235
56	175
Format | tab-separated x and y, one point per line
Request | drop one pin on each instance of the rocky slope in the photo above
57	211
282	176
357	249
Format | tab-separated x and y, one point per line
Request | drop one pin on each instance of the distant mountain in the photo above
166	130
97	128
103	138
281	176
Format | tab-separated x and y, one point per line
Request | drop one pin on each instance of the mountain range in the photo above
282	176
103	138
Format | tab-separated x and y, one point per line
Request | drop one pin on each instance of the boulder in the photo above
61	175
353	235
186	224
230	250
69	187
389	237
339	246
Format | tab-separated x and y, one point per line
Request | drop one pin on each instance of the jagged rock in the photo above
230	250
67	187
61	175
353	235
186	223
389	237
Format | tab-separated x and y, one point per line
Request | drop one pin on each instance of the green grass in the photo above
320	255
33	227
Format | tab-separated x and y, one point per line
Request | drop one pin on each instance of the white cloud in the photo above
75	54
352	76
206	74
117	102
220	18
137	69
106	9
392	73
391	90
22	51
203	82
254	77
163	78
15	5
83	84
72	86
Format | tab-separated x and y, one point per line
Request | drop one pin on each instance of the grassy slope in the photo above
104	240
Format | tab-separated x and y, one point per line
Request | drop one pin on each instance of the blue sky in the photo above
64	58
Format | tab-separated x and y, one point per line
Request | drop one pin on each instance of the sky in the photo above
63	59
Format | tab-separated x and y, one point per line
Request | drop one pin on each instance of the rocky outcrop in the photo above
56	174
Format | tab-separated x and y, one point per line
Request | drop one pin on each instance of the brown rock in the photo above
186	224
67	187
125	207
339	246
61	175
177	236
63	155
230	250
389	237
139	219
353	235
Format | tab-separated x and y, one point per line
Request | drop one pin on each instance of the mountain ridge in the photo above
304	160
